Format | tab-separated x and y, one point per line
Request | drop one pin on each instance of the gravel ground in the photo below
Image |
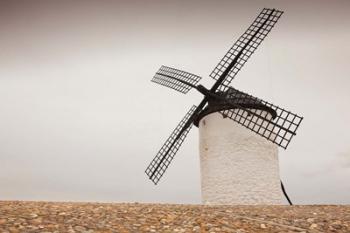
17	216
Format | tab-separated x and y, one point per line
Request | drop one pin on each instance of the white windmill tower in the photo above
238	164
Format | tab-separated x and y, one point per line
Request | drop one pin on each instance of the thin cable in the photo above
285	194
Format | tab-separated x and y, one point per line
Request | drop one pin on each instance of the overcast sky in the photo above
80	119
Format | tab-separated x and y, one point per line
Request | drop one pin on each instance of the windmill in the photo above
266	120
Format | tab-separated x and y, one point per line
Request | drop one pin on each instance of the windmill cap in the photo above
235	97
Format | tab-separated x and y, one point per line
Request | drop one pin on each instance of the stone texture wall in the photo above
237	165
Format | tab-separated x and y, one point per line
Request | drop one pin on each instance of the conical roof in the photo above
234	98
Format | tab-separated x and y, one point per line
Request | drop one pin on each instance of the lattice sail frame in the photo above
160	163
166	76
279	130
254	35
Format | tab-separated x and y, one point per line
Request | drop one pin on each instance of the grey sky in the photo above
80	119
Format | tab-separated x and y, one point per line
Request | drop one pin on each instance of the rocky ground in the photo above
16	216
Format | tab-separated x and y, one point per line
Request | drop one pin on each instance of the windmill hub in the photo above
208	94
238	166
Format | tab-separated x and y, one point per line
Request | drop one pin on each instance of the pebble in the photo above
32	215
3	221
36	221
13	229
79	228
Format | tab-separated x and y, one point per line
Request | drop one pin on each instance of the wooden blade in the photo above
178	80
161	161
244	47
268	120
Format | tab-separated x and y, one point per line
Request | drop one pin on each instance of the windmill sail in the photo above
244	47
160	163
176	79
278	127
